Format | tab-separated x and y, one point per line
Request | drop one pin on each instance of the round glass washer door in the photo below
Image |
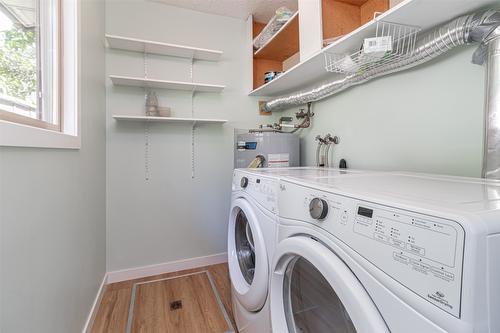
313	291
247	257
245	248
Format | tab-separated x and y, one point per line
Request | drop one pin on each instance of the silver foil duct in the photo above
478	27
491	164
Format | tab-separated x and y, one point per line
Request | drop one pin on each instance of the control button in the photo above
363	221
397	242
441	273
318	208
344	218
400	257
244	182
415	249
420	266
380	237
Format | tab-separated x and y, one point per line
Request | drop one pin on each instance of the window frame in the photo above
21	131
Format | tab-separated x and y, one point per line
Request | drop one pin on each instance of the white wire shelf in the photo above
173	120
391	43
164	84
152	47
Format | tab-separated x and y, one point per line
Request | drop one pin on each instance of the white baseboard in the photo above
95	306
168	267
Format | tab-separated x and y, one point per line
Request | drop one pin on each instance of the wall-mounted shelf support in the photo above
151	47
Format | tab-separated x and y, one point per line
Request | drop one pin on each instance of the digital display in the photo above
251	145
366	212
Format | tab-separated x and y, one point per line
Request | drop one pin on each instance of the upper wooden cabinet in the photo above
304	34
340	17
425	14
270	57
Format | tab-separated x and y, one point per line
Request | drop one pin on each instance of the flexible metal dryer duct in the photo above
491	164
478	27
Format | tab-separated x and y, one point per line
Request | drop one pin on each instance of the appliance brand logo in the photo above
440	298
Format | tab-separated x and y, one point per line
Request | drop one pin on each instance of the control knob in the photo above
318	208
244	182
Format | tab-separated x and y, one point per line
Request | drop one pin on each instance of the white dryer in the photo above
251	241
400	253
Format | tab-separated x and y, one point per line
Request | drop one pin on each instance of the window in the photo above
38	73
29	58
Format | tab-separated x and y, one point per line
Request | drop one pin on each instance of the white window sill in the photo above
17	135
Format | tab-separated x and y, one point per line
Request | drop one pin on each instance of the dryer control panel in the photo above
263	190
422	252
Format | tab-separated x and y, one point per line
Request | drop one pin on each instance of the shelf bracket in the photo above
193	127
147	134
147	141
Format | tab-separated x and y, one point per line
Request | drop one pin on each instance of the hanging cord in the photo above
323	149
326	151
330	141
318	149
327	155
257	162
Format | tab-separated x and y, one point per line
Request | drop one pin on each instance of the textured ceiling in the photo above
262	10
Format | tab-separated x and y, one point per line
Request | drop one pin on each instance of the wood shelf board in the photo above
421	13
164	84
174	120
283	44
354	2
341	17
257	28
152	47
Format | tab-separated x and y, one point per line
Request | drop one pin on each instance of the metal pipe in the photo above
476	27
278	128
491	156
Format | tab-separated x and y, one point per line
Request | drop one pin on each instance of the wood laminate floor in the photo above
152	310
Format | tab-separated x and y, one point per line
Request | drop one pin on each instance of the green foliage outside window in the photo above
18	65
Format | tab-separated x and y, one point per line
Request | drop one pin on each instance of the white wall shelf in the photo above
422	13
164	84
151	47
173	120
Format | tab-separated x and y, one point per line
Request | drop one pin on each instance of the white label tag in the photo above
278	160
378	46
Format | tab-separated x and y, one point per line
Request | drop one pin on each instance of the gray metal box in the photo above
277	149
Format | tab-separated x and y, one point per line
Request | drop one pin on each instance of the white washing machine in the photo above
251	241
388	252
